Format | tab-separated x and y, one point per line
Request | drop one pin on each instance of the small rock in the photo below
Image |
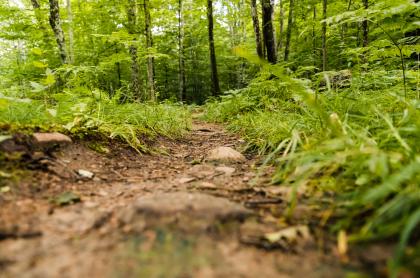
85	174
90	204
206	185
48	139
201	171
225	154
103	193
226	170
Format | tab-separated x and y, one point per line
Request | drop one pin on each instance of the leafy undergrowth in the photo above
359	144
132	123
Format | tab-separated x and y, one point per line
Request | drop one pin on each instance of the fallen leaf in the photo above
5	137
4	189
342	245
66	198
291	234
5	175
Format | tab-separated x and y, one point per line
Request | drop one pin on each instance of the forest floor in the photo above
167	214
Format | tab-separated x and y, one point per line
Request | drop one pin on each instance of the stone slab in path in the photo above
195	210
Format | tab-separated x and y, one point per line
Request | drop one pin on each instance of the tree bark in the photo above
213	63
71	33
365	26
289	31
57	29
257	32
324	35
268	30
135	69
281	31
181	75
314	32
149	45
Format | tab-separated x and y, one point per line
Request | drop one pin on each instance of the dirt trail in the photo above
166	215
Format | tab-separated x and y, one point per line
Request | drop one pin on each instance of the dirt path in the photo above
167	215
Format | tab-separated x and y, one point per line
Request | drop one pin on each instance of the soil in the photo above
166	214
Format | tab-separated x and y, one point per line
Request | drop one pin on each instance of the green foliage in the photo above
84	115
360	145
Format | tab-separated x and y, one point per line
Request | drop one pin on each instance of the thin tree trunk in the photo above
213	63
71	33
257	32
281	31
118	70
149	45
289	31
365	26
324	35
58	31
181	76
314	32
268	30
135	69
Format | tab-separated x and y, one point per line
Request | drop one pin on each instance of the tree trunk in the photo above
324	35
365	26
268	30
135	70
118	70
281	31
71	34
213	63
58	31
314	33
181	75
256	23
149	45
289	31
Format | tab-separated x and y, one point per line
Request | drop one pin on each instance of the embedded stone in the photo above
183	209
49	139
225	154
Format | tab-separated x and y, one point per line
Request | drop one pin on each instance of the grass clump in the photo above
361	146
82	116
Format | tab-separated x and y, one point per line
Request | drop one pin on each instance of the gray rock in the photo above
85	174
49	139
201	171
225	154
191	211
226	170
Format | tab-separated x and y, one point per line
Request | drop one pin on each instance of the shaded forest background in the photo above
106	43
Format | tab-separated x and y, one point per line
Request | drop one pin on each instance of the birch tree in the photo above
55	23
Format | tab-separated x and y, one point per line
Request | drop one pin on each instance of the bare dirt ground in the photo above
163	215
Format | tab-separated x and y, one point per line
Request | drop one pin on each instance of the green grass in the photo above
361	146
86	116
